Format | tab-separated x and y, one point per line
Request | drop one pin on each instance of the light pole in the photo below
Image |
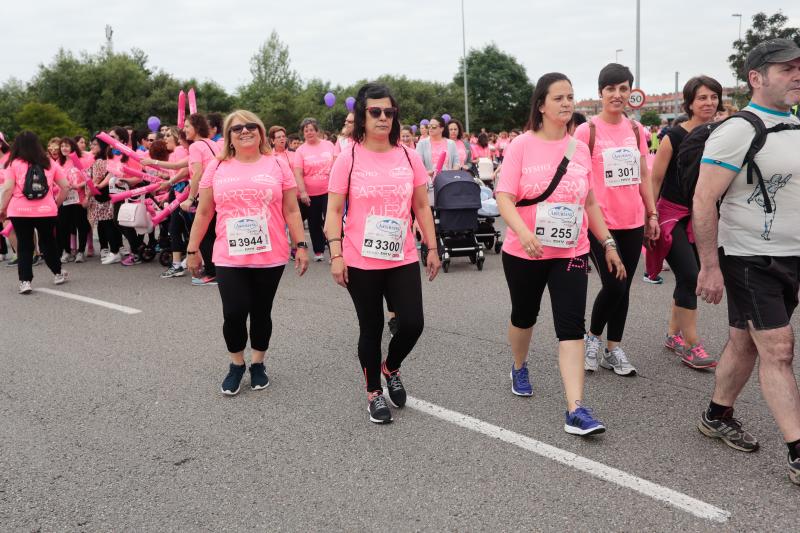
739	16
616	55
637	83
464	56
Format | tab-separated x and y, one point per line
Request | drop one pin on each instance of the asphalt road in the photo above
114	422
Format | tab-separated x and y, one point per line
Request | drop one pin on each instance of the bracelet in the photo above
337	256
654	216
191	253
334	240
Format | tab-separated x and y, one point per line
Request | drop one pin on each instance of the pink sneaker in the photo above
676	344
131	260
697	357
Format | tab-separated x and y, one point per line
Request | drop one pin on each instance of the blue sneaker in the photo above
520	384
582	422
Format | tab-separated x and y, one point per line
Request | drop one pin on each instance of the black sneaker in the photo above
378	409
393	326
232	382
397	393
794	469
258	376
728	429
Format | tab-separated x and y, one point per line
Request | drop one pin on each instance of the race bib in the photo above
384	238
621	166
247	235
72	198
558	225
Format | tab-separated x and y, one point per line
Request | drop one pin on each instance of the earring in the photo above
231	147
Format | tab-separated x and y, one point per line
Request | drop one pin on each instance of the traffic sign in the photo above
637	99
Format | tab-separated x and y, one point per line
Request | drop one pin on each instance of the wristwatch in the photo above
302	244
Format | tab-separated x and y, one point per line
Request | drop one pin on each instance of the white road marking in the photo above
86	299
674	498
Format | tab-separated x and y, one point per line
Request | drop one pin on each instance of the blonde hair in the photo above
246	116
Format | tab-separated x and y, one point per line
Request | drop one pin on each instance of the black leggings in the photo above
367	289
611	305
46	229
207	248
315	214
109	236
247	291
685	264
134	239
72	219
180	226
566	280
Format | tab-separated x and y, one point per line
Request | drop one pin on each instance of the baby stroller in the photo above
456	199
486	234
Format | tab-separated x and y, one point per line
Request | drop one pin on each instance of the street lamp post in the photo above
736	76
637	82
616	55
464	51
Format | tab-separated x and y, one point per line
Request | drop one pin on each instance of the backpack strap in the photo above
209	147
562	169
349	174
593	135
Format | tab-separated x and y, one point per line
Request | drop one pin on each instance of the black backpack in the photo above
691	152
36	186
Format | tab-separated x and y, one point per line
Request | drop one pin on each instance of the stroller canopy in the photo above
456	189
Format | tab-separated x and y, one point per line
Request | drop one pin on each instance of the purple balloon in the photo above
446	118
153	123
424	122
414	129
330	99
350	102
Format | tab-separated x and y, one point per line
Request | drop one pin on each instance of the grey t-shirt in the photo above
745	227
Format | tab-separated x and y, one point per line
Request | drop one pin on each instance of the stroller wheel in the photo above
472	258
480	263
165	258
147	254
446	266
498	245
488	243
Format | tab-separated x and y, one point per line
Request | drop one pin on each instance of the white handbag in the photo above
134	215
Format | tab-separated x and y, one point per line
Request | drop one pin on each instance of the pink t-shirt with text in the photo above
528	168
20	206
75	177
381	184
316	163
436	152
622	206
250	190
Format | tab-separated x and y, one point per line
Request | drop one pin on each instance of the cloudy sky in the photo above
349	40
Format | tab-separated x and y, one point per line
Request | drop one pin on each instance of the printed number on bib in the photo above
558	225
384	238
72	198
247	236
621	167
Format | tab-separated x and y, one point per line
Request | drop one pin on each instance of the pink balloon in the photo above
192	102
7	230
181	109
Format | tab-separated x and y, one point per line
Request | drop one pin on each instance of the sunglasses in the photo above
251	126
388	112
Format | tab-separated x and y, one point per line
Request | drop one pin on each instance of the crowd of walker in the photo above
718	204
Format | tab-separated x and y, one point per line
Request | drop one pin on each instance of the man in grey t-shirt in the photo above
753	250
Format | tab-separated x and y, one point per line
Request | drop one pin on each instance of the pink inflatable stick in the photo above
92	187
181	109
173	205
161	197
122	196
150	207
440	163
76	161
192	102
103	136
7	230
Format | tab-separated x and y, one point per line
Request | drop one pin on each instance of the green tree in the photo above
499	89
651	118
46	121
764	28
13	95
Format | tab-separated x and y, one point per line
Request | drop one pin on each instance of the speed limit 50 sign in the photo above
637	98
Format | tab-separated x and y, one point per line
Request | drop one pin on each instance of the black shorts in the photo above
760	289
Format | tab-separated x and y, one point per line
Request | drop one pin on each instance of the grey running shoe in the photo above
728	429
794	470
617	361
173	272
25	287
591	348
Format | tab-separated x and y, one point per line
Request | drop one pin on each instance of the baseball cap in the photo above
772	51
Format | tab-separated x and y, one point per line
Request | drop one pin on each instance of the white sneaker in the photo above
104	253
617	361
64	258
61	278
111	259
2	258
319	257
25	287
183	263
591	348
80	258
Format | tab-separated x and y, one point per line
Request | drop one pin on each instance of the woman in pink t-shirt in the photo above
455	132
547	242
381	183
73	217
37	214
407	138
624	191
313	161
251	195
5	150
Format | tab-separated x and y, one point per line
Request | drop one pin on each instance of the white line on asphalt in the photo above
647	488
86	299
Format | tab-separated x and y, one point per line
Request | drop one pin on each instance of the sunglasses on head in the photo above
251	126
388	112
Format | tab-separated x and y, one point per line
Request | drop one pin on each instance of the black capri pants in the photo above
247	292
403	287
567	281
685	264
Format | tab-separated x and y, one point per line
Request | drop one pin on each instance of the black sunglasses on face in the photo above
388	112
251	126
